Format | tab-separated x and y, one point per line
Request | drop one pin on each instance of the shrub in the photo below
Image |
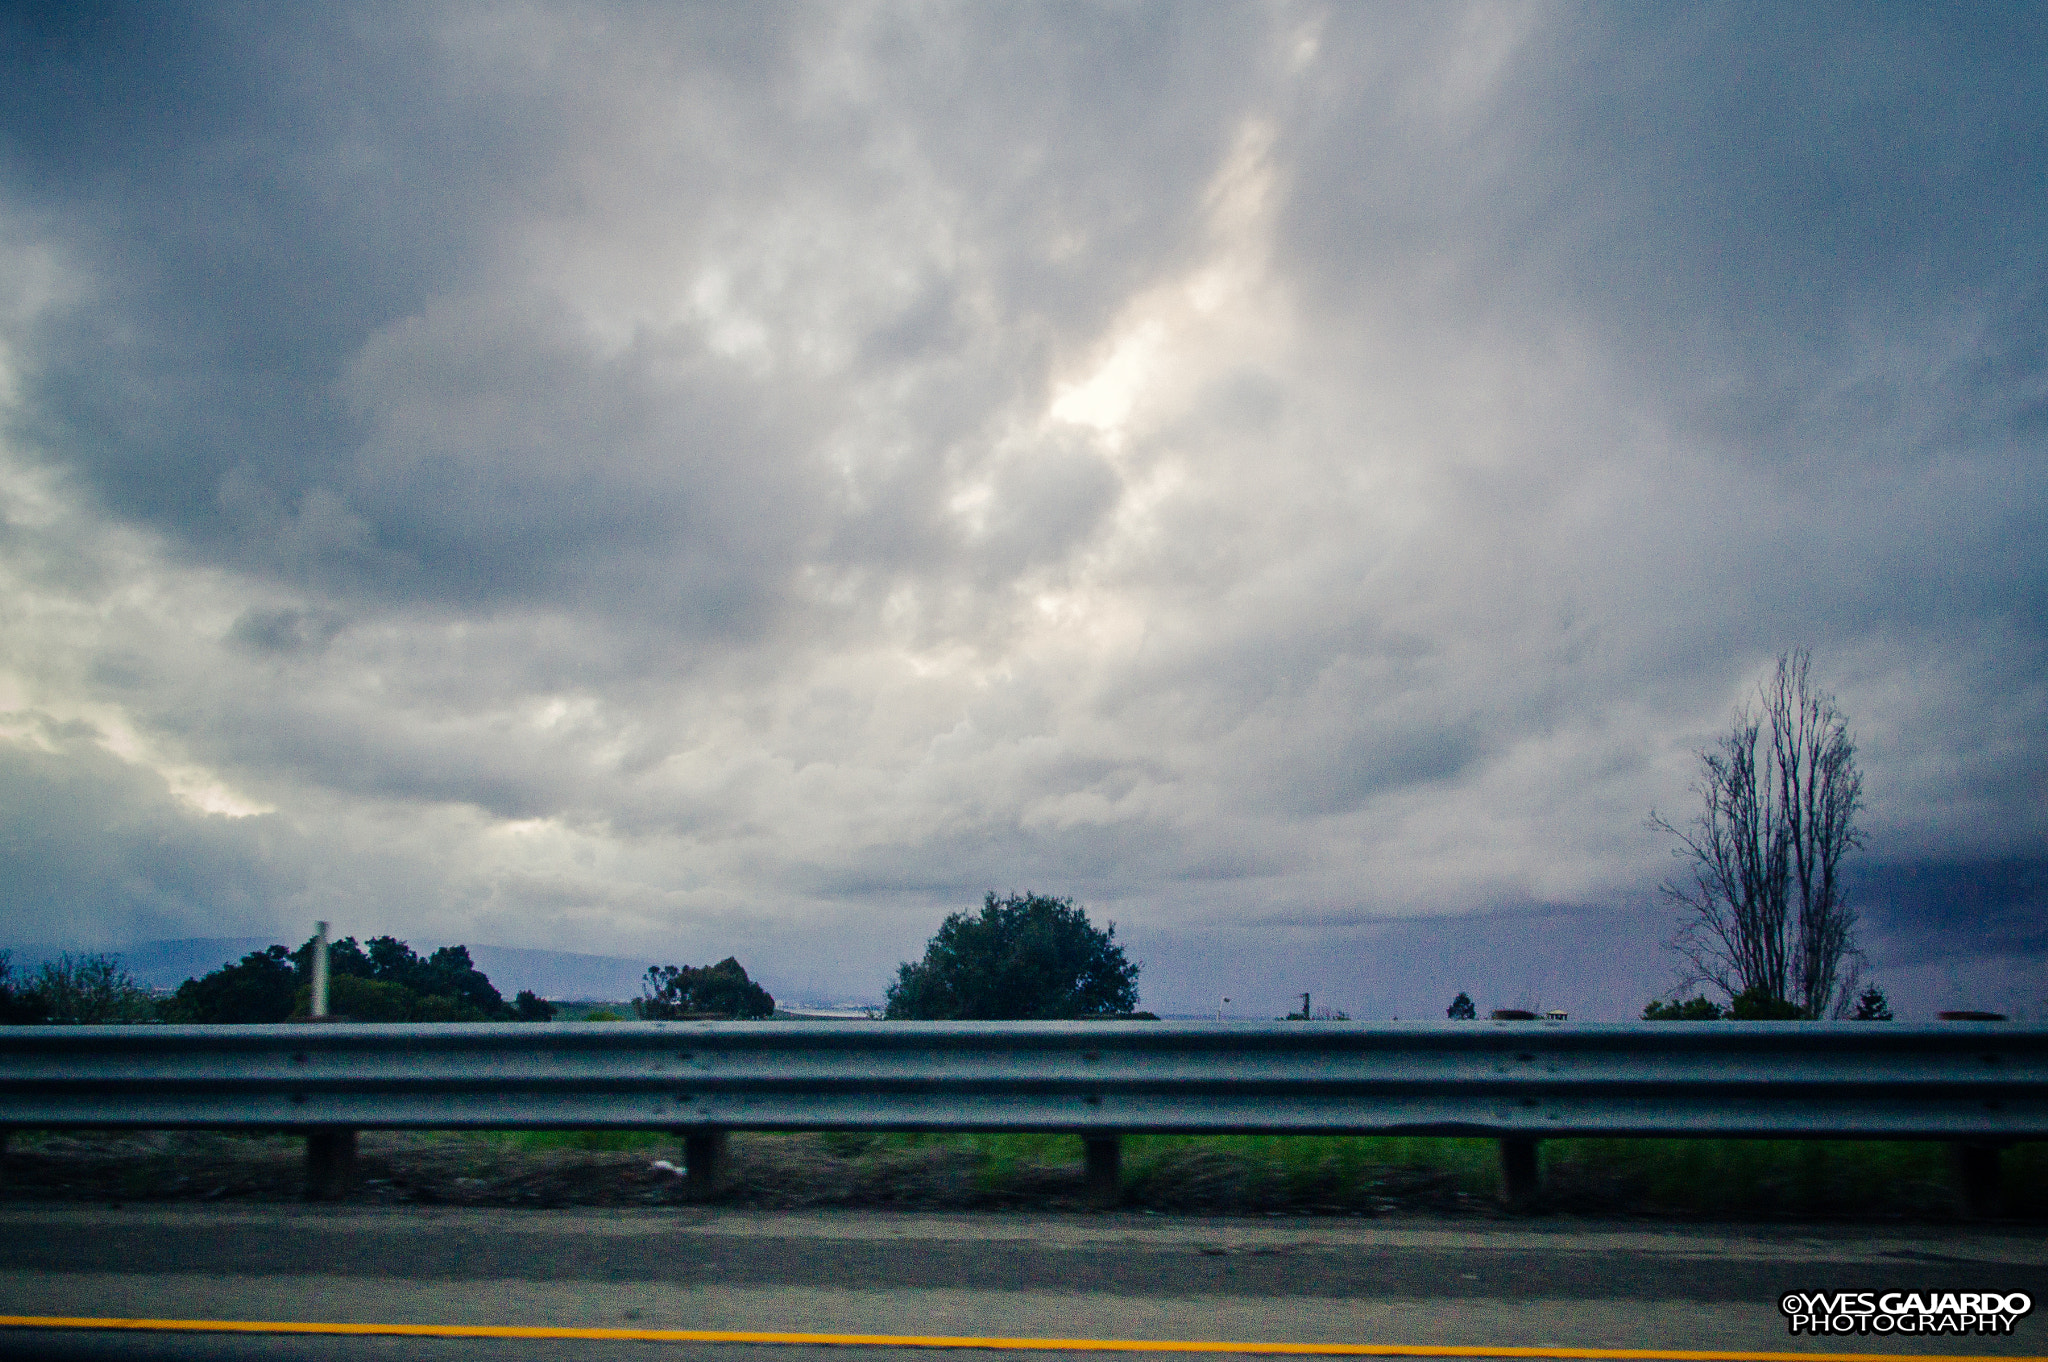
1758	1003
87	990
1687	1009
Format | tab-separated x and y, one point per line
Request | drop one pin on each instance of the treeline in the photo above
384	980
1750	1005
1758	1004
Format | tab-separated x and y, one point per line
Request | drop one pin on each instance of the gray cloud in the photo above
641	479
99	851
287	630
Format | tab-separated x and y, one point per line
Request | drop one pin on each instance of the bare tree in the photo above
1820	790
90	989
1768	919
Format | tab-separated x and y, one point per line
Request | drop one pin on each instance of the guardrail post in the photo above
1977	1176
1519	1179
1105	1155
330	1163
703	1153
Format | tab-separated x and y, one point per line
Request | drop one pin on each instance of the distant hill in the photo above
551	974
559	974
158	964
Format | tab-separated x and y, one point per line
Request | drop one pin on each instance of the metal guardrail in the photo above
1976	1084
1503	1079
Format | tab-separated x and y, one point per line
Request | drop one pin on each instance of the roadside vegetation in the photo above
1737	1180
72	989
382	980
1030	956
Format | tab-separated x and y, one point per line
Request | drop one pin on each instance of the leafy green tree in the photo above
673	992
258	989
1685	1009
447	975
387	982
531	1007
355	998
1026	957
1461	1008
1872	1005
344	957
376	1000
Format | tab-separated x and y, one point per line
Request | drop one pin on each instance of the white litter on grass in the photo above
665	1166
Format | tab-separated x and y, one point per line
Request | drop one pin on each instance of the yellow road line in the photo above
1071	1345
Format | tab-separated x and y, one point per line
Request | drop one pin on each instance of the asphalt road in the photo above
1543	1282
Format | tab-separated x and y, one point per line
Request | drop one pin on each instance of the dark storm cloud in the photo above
1720	195
1811	255
1915	912
504	462
305	352
262	211
615	475
98	852
1328	779
239	200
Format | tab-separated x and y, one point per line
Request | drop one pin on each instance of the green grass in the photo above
1220	1172
1714	1178
596	1141
1334	1171
1780	1177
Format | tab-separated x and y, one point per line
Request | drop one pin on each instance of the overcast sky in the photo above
683	481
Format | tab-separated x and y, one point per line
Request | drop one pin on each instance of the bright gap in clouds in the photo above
1222	312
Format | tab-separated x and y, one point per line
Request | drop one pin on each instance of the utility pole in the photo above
330	1150
318	1007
